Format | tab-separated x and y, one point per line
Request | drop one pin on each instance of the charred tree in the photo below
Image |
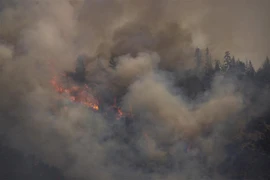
80	72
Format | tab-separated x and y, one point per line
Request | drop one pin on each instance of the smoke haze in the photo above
151	40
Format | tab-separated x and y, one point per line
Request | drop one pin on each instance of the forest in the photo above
248	153
127	89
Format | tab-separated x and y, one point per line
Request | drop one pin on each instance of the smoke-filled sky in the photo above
240	26
152	40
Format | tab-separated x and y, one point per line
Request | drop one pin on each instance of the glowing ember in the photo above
120	113
82	95
76	94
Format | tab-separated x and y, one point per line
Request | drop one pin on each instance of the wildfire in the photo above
76	94
120	113
82	95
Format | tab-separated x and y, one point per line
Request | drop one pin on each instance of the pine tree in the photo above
233	63
246	65
240	66
80	70
266	64
208	70
208	59
250	69
227	61
263	74
198	58
217	66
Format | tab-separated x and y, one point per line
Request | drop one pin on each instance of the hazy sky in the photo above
241	26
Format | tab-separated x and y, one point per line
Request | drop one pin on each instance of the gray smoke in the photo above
147	38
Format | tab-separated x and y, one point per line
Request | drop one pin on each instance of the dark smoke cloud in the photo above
240	26
147	38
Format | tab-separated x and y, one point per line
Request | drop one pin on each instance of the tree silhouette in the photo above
263	73
198	58
227	61
208	61
250	69
217	66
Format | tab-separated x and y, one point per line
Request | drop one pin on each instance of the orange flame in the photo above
81	95
120	113
76	94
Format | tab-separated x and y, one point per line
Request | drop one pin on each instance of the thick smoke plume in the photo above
150	41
